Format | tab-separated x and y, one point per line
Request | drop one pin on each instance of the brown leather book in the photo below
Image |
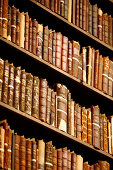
79	162
59	159
84	64
53	108
2	135
69	10
1	76
89	126
13	24
18	27
106	27
100	72
54	157
9	160
43	100
17	87
42	2
47	3
85	166
37	157
9	24
58	49
66	9
4	18
80	67
79	120
35	98
52	5
39	40
73	11
56	5
50	44
103	28
104	165
94	19
105	133
69	60
69	160
48	105
72	117
84	124
93	68
54	48
109	136
45	43
16	151
73	160
13	151
62	8
5	82
26	31
96	68
30	35
28	93
100	13
87	15
22	153
1	13
33	154
11	85
110	78
77	13
64	158
28	154
64	53
90	18
61	107
41	147
69	113
84	2
34	31
22	29
80	13
105	74
22	90
96	126
48	155
89	65
101	132
110	30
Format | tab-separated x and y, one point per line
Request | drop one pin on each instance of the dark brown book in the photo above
80	13
89	127
103	28
110	76
50	44
62	8
35	98
89	66
64	158
87	15
106	27
13	24
9	24
58	49
77	13
80	67
34	31
105	74
45	43
4	18
16	151
1	76
39	40
48	155
33	154
13	150
110	30
9	159
43	100
73	11
54	155
94	19
100	72
84	2
101	132
53	108
100	13
90	18
22	90
69	113
66	9
52	5
1	13
54	48
105	133
30	35
47	3
28	93
11	85
59	159
22	153
28	154
18	27
56	5
69	60
26	41
84	124
96	67
48	105
73	160
64	53
2	135
79	121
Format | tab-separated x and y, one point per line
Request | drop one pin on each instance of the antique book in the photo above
47	3
62	8
69	60
80	12
59	159
93	68
77	13
78	120
22	153
58	7
75	120
11	85
30	35
50	39
103	28
79	162
66	9
88	65
96	68
84	124
54	48
53	108
73	160
87	15
52	5
54	157
105	133
101	132
28	93
110	30
72	117
84	64
41	147
43	100
8	24
17	87
109	136
61	107
100	13
106	27
37	156
89	126
16	151
34	31
64	53
33	154
13	150
28	154
94	19
4	18
45	43
110	76
9	159
80	66
35	98
69	10
90	18
69	113
105	74
1	13
39	40
22	29
58	49
85	166
22	90
1	76
18	27
2	135
84	2
100	72
48	105
13	24
64	158
73	11
48	155
26	41
69	160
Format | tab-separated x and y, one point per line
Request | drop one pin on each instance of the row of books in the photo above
54	106
19	153
85	15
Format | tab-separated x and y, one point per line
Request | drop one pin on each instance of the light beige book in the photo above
72	118
79	162
109	136
41	159
22	29
69	10
2	132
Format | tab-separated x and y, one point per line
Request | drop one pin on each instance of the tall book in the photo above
75	120
79	121
93	68
72	118
80	12
84	64
87	15
39	40
1	13
48	105
94	19
59	159
30	35
9	24
64	158
89	66
53	108
89	127
80	67
22	153
110	76
64	53
84	2
33	154
22	29
52	4
73	160
66	9
28	154
100	13
105	74
69	62
90	18
77	13
18	27
48	155
41	147
69	160
54	156
105	133
22	90
101	132
2	133
45	43
79	162
50	46
103	28
54	48
110	30
4	18
109	136
100	72
69	10
9	159
69	113
84	124
62	8
96	66
34	31
13	24
106	27
26	31
58	49
1	76
16	151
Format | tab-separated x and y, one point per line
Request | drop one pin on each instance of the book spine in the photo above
105	74
89	127
110	78
87	14
96	66
56	5
33	154
26	31
90	18
100	72
52	5
42	2
59	159
69	113
79	162
9	160
18	27
69	10
28	154
5	18
34	31
89	66
84	124
94	19
39	40
101	132
105	133
69	62
80	67
48	105
73	161
110	30
13	24
16	152
22	153
69	160
64	158
58	49
9	24
75	120
22	90
45	43
30	35
64	53
54	155
48	155
106	27
50	50
80	12
1	76
53	109
37	157
84	64
77	13
1	13
93	68
47	3
41	147
62	8
66	9
103	28
72	118
2	135
22	29
100	13
84	14
73	10
109	136
11	85
54	49
79	121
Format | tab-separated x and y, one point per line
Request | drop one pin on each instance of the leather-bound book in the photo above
80	65
54	48
34	31
16	151
73	11
33	154
22	153
72	118
101	132
84	124
93	68
41	147
9	24
87	15
110	76
84	2
106	27
48	105
69	60
69	113
110	30
59	159
26	31
13	150
2	135
52	5
28	93
75	120
90	18
105	74
4	18
53	108
11	85
48	156
39	40
79	121
17	87
100	13
22	29
50	50
58	49
1	76
18	27
47	3
66	9
89	127
79	162
62	8
73	160
89	66
54	157
105	133
80	13
1	13
5	82
56	5
9	148
77	15
85	166
84	64
96	126
30	35
109	136
28	154
64	158
103	28
42	2
69	10
43	100
69	160
64	53
22	90
35	98
75	57
61	107
45	43
100	72
96	68
94	19
37	156
13	24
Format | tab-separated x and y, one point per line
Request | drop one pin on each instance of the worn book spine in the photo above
2	135
69	10
22	29
58	49
1	76
110	87
45	43
11	85
105	74
64	158
79	162
75	120
17	87
80	67
9	24
37	156
72	117
39	40
110	30
62	8
53	108
41	147
54	157
48	105
93	68
28	93
34	31
109	136
54	48
43	100
87	15
26	31
22	90
59	159
69	113
56	6
105	133
79	121
103	28
90	18
13	24
66	9
73	160
100	13
4	18
30	35
52	5
84	64
48	156
22	153
77	15
33	154
50	50
47	3
101	132
69	160
100	72
16	151
89	127
18	27
94	19
96	66
69	60
5	82
80	12
84	124
64	53
73	11
28	154
35	98
1	13
106	27
89	66
9	160
84	2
